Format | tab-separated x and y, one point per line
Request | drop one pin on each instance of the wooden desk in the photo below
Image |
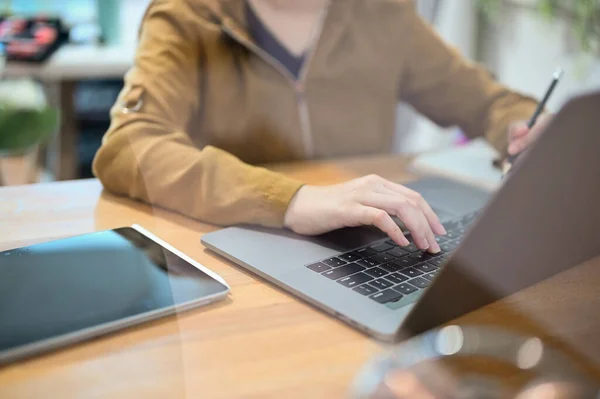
261	342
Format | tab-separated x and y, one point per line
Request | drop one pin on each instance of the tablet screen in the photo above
60	287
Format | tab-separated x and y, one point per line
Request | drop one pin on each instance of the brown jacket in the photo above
202	103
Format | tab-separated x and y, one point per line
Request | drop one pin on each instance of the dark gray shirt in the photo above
269	43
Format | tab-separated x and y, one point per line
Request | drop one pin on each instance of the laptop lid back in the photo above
544	220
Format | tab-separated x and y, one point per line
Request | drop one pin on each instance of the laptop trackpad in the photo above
450	198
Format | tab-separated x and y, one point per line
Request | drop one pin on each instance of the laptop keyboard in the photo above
386	272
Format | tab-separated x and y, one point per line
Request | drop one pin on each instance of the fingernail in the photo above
436	249
443	230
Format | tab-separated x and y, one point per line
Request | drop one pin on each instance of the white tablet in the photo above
65	291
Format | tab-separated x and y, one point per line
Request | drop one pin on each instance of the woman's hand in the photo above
369	200
521	137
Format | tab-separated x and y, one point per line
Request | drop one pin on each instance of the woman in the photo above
218	86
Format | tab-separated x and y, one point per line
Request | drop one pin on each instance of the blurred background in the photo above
70	79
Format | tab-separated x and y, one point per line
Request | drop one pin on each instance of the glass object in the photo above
473	362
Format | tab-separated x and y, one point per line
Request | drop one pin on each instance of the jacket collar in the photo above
234	12
234	16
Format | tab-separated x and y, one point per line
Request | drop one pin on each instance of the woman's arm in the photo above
148	155
444	86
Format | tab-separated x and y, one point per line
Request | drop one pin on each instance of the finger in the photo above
379	218
525	137
522	144
516	146
538	129
410	215
416	221
432	218
432	245
518	131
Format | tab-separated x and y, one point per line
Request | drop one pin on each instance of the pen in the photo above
540	108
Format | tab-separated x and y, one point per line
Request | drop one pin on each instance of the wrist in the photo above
292	209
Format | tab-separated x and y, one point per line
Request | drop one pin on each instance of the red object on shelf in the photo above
45	35
31	39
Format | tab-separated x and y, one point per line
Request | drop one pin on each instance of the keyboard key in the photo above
354	280
410	272
350	257
365	252
365	289
392	243
343	271
441	239
376	272
451	226
334	262
423	256
406	262
392	267
319	267
454	234
396	278
381	247
368	262
448	247
420	282
411	248
439	261
426	267
398	252
381	284
405	288
429	276
386	296
383	258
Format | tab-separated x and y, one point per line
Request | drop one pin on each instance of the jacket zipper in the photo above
297	85
301	87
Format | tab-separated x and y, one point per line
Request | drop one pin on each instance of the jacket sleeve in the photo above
451	91
147	154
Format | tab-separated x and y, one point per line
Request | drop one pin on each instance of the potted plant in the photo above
26	121
583	17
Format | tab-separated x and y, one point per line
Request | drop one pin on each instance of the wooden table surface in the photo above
260	342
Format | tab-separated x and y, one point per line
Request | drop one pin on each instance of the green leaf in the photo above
548	8
583	16
490	7
23	129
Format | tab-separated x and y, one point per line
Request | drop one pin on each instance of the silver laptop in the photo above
543	220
